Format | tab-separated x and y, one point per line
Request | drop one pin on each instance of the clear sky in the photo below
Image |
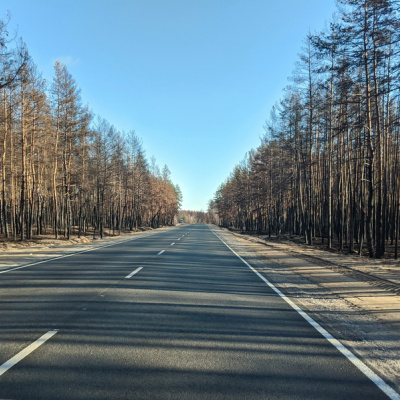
196	79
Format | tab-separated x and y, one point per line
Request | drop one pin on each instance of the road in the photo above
172	315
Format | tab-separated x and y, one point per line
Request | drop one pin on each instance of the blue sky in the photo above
196	79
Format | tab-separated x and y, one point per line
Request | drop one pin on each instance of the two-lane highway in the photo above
172	315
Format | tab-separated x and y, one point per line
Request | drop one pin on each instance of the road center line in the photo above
133	273
25	352
162	251
378	381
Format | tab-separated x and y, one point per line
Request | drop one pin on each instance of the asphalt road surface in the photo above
171	315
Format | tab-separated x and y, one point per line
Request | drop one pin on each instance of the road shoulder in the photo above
364	316
29	253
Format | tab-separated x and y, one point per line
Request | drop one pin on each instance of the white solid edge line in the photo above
75	253
378	381
162	251
25	352
133	273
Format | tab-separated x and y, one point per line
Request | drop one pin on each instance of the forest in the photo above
65	171
327	168
197	217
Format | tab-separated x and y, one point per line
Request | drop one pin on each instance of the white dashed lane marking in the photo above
133	273
25	352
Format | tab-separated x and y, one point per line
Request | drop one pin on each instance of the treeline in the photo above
328	166
197	217
62	172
